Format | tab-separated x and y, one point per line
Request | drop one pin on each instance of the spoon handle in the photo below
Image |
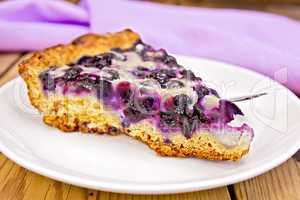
247	97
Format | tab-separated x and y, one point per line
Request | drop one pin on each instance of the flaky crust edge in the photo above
200	145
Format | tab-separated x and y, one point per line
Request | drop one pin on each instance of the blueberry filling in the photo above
189	125
98	61
171	84
213	92
47	80
133	114
201	91
169	119
72	73
181	103
110	74
141	72
86	83
170	60
163	76
104	89
154	87
147	103
125	92
189	75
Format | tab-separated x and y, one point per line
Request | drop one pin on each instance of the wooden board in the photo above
282	182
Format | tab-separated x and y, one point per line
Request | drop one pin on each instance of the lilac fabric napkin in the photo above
263	42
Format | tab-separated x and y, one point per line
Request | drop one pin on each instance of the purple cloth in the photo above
263	42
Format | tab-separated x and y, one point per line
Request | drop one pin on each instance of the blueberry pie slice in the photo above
115	84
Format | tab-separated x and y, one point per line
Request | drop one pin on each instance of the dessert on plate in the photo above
116	84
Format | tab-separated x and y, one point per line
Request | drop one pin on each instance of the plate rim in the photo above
151	188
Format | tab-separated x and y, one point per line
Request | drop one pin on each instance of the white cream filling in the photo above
238	121
210	101
233	138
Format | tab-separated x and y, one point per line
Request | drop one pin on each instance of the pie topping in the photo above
142	83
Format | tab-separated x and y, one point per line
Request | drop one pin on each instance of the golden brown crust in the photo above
87	114
201	145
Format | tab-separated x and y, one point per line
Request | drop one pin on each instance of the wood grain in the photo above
7	60
11	68
282	182
18	183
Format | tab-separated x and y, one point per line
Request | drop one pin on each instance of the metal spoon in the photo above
247	97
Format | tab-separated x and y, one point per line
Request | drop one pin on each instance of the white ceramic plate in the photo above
121	164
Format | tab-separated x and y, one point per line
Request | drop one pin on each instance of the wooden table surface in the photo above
17	183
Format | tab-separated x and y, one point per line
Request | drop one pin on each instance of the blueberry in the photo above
141	68
188	126
213	92
181	103
87	60
169	119
174	84
163	76
141	72
201	91
105	60
104	89
189	75
98	61
198	112
132	114
125	91
87	83
72	73
228	110
149	103
170	73
47	81
169	60
109	74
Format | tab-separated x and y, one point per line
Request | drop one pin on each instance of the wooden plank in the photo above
12	180
7	60
282	182
12	72
77	193
85	194
58	190
18	183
